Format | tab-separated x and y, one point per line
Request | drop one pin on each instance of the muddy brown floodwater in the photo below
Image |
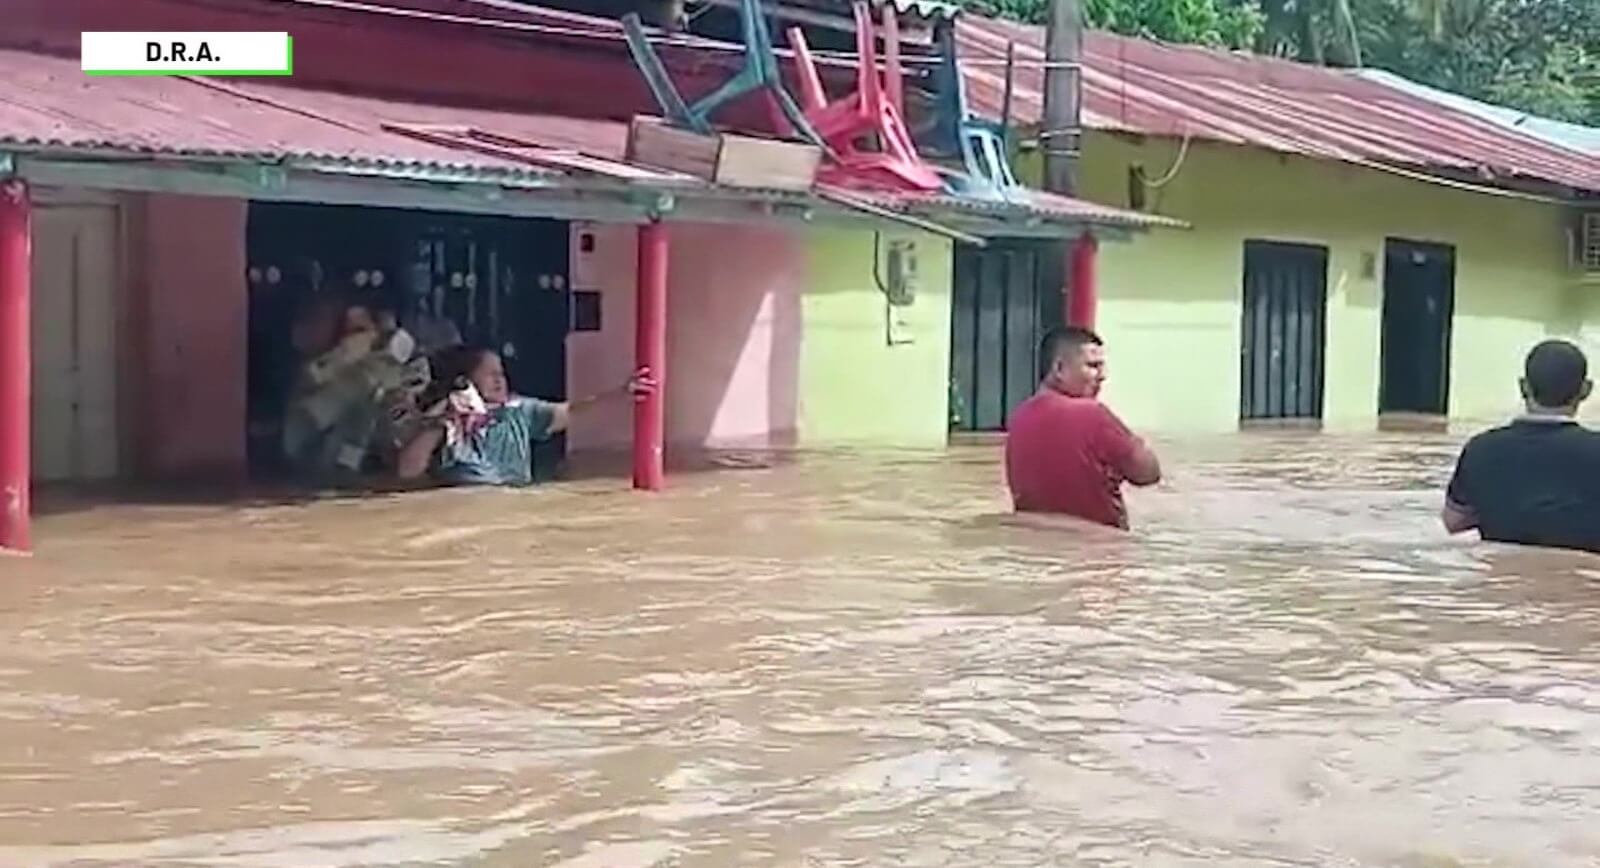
846	660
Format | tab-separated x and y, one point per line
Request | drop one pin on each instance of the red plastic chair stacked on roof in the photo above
876	110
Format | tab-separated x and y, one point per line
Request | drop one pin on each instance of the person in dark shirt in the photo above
1067	453
1535	481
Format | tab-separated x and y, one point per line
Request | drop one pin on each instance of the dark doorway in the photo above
501	282
1283	332
1419	290
998	314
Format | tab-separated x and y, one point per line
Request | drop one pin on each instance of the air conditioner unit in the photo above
1586	246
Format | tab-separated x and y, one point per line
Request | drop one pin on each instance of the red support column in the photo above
1083	296
15	358
650	351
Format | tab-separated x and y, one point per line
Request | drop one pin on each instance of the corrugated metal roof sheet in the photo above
1035	203
1146	87
932	10
1567	135
47	102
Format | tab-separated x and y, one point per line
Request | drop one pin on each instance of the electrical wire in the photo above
1172	173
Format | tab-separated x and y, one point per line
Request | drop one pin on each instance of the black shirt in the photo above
1534	482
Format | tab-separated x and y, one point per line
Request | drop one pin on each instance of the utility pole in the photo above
1063	96
1061	137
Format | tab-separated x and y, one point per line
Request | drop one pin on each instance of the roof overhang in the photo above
555	196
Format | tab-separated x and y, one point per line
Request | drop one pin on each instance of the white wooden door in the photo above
75	276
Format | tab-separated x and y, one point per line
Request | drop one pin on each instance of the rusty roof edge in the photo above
658	196
1022	216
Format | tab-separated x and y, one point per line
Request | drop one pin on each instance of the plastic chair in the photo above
979	144
875	110
760	72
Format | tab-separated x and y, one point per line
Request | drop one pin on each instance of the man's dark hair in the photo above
1555	372
1061	340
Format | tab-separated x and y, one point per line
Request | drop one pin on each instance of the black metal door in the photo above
996	323
1418	304
1284	331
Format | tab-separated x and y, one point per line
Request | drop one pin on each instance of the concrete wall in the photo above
856	386
189	288
733	314
1171	301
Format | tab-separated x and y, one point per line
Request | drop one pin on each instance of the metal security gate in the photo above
997	317
1284	331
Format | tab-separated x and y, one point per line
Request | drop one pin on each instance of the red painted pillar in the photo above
15	358
650	351
1083	296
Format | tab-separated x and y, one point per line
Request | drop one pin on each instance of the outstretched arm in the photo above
642	383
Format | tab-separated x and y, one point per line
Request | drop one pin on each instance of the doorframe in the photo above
1447	334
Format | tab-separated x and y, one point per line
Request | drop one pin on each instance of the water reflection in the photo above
838	661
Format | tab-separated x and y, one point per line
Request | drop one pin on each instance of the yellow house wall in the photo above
1170	305
856	387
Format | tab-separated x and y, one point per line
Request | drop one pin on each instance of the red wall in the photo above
425	60
192	312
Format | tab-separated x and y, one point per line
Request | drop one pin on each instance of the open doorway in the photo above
1419	288
496	282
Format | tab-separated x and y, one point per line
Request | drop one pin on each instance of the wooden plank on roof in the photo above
724	158
517	150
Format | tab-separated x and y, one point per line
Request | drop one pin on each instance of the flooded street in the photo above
841	661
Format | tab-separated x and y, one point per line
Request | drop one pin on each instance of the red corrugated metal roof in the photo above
1152	88
47	102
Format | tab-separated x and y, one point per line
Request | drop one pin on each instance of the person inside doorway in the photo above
481	433
1535	481
1066	452
346	383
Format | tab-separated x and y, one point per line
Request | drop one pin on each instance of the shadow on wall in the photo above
733	337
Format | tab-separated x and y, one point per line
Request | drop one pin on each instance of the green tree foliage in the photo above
1541	56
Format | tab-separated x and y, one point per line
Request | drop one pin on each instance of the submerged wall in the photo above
1171	301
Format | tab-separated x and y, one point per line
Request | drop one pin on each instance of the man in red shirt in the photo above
1065	451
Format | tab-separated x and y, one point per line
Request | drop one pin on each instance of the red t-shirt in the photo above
1068	455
